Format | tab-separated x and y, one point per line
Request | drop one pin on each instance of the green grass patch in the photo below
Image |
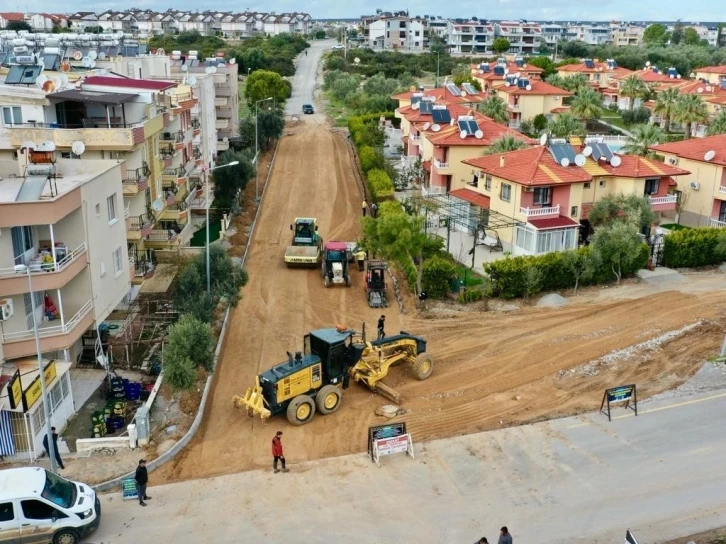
673	226
468	276
199	239
337	111
612	117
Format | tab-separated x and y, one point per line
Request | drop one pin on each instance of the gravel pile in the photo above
553	300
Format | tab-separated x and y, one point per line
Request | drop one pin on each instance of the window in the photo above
69	155
111	204
22	242
601	183
573	211
98	210
542	196
33	509
12	115
505	193
488	183
651	186
118	266
556	240
6	512
587	185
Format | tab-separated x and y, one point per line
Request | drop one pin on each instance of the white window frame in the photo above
117	257
542	196
506	187
111	205
14	113
657	186
488	182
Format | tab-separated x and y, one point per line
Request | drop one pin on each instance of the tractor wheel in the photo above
423	366
328	399
347	280
326	281
300	410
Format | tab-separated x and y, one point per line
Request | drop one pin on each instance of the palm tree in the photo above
689	109
665	103
586	104
557	80
566	124
495	108
718	125
504	144
575	82
641	138
633	87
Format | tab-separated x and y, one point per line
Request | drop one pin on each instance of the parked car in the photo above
308	108
339	46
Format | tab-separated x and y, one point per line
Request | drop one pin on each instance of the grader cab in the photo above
314	379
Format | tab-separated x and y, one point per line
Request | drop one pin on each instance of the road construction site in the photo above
492	369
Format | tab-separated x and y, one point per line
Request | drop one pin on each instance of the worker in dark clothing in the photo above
277	453
482	540
54	434
505	537
381	327
142	477
374	210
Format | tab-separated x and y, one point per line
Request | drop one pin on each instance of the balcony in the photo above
140	225
221	123
45	276
222	90
135	181
440	165
178	211
172	139
663	203
722	189
514	107
414	138
540	212
514	124
177	175
717	223
222	145
224	112
221	101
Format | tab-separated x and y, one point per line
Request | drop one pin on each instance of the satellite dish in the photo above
157	205
92	55
678	76
208	70
101	55
46	146
506	84
708	88
28	145
451	123
615	161
233	61
160	52
86	62
463	134
48	86
463	93
481	71
415	105
436	127
528	87
479	134
356	60
426	125
587	151
93	63
41	80
580	160
184	68
693	75
192	81
78	147
647	63
65	66
700	90
709	155
77	55
565	162
543	139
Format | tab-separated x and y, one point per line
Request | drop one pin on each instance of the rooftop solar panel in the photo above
425	106
441	115
453	89
473	127
601	151
469	88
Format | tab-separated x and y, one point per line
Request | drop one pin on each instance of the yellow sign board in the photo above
34	390
15	390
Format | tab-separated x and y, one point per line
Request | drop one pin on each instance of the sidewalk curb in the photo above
182	443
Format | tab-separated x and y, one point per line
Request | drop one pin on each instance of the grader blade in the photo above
253	401
388	392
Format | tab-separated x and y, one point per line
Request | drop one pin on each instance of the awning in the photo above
95	97
558	222
671	182
472	197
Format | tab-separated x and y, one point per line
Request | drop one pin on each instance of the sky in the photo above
605	10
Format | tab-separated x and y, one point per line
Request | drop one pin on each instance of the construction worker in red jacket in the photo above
277	452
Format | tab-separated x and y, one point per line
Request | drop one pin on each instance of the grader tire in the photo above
300	410
423	366
326	281
329	399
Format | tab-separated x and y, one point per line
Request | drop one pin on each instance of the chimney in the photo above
501	161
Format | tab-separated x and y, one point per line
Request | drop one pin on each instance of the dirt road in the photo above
491	369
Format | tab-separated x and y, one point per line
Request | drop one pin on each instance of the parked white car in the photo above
41	507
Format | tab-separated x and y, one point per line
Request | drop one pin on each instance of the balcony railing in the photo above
537	212
414	138
179	206
46	267
221	89
513	107
175	137
142	223
439	164
668	199
45	331
175	172
717	223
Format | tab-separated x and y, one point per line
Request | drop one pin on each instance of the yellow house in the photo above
551	195
703	191
715	75
493	74
528	98
599	74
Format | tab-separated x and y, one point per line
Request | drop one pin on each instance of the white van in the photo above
39	507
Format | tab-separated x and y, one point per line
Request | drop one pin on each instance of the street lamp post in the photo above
43	391
207	205
257	147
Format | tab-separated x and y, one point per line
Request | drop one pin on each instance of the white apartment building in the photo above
623	34
471	37
438	27
553	33
523	36
396	32
592	34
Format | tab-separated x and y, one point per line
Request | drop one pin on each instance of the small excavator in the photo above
314	379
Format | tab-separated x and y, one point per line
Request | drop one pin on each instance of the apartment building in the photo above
623	34
703	190
395	32
523	36
62	223
591	34
601	75
715	75
527	98
438	26
471	36
553	33
494	74
551	195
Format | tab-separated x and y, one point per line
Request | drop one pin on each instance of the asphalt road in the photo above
303	86
580	480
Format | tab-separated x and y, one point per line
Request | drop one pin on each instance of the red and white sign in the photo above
388	446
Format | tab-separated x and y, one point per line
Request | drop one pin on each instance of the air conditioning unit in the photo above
529	189
673	160
695	185
7	310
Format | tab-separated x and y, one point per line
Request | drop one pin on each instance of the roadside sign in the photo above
384	431
389	446
128	489
624	393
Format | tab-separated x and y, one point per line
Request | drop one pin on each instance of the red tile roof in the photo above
711	70
511	66
13	16
598	67
472	197
699	87
538	88
128	83
533	166
560	109
717	99
553	222
450	136
442	95
650	76
635	166
416	117
696	148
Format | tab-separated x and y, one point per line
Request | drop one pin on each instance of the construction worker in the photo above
374	210
277	453
365	207
360	256
381	327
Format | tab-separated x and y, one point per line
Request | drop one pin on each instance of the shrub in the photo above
368	158
436	277
379	184
636	117
470	295
190	346
693	247
390	207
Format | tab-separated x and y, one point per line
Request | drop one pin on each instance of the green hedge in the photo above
390	207
367	157
436	277
693	247
379	184
508	275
